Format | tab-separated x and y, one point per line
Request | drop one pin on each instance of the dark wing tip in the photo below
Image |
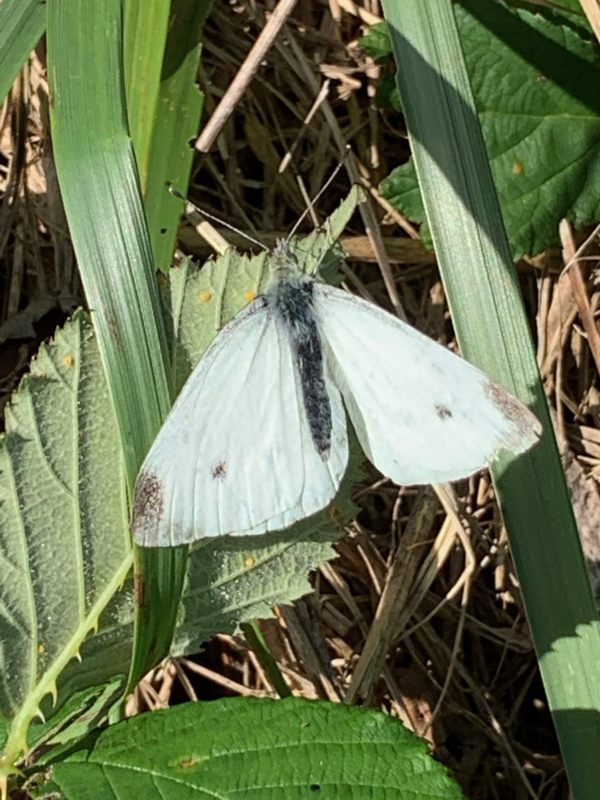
148	508
527	426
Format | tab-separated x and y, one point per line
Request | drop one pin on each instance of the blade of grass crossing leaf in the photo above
99	183
474	259
257	642
542	135
21	27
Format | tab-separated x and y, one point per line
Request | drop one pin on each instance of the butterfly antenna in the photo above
315	199
218	220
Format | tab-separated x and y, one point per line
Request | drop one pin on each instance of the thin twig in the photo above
245	74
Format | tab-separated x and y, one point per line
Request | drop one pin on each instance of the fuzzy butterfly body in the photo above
257	438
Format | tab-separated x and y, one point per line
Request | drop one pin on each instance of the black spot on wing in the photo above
219	470
148	505
442	411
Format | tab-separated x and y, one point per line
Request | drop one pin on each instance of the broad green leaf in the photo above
256	750
64	538
21	27
535	87
235	580
64	541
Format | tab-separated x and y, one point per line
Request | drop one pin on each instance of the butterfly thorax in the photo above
290	294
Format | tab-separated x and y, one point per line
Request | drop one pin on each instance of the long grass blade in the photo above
464	215
99	183
21	27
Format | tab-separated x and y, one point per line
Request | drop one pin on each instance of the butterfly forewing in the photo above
421	413
235	455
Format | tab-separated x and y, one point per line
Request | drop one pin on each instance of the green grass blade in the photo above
145	34
21	27
178	110
164	107
99	183
483	293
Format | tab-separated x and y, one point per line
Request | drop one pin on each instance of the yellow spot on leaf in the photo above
188	762
204	297
249	296
69	360
518	168
249	562
335	515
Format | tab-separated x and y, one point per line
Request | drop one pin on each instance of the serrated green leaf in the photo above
535	86
234	580
256	750
21	27
75	719
65	550
64	538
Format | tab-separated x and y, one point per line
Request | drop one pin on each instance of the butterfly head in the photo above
284	263
285	267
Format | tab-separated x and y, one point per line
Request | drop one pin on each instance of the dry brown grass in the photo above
420	615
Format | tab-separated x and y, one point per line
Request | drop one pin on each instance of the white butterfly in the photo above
257	438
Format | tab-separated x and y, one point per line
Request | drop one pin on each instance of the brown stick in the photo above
245	74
